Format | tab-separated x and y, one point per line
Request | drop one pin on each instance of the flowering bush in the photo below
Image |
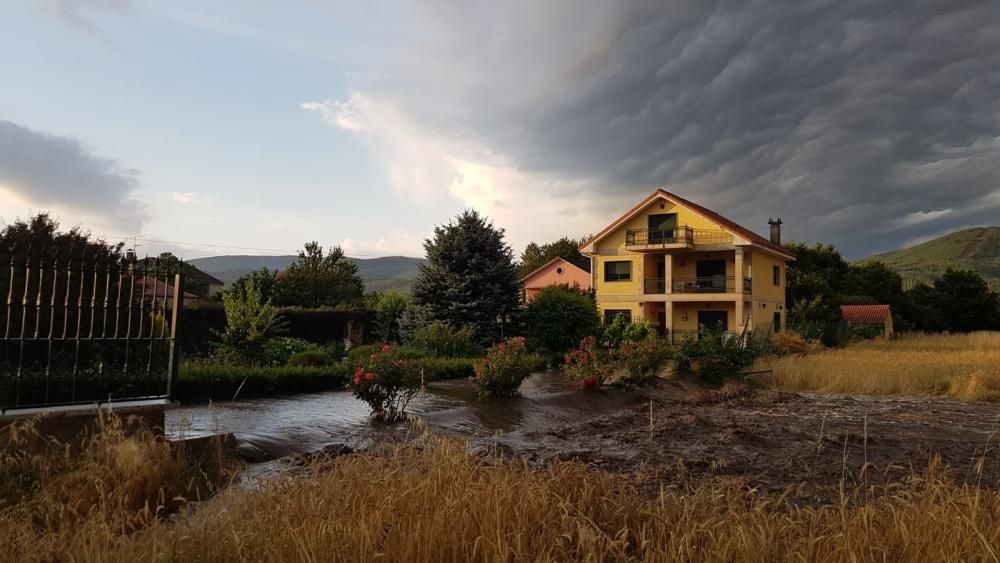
503	369
387	382
629	364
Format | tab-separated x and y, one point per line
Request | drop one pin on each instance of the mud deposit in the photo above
673	435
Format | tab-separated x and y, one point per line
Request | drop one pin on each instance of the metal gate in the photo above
81	330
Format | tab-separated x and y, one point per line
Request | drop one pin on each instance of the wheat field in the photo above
961	366
432	501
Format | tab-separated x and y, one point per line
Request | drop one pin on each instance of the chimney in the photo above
775	230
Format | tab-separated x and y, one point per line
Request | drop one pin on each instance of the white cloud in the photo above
425	166
184	197
396	242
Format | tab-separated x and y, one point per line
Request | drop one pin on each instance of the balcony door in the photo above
711	276
661	227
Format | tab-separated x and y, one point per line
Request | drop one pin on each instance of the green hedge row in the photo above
201	383
204	382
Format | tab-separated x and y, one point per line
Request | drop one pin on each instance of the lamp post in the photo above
501	320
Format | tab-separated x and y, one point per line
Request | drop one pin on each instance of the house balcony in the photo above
698	285
679	238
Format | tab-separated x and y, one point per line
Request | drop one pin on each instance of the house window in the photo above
618	271
776	271
610	314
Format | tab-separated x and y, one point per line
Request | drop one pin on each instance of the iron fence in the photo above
79	329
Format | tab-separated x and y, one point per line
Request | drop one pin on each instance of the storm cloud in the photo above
53	172
865	124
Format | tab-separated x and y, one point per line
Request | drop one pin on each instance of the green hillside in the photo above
972	249
379	274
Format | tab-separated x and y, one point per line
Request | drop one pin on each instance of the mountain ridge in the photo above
976	249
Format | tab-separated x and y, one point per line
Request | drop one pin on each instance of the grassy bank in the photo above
963	366
201	382
437	503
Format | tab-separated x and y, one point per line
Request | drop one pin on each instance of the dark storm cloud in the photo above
48	170
862	123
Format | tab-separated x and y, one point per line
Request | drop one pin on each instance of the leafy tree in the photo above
965	303
388	311
535	256
40	237
250	323
442	340
319	280
817	272
167	263
875	280
558	319
470	278
263	280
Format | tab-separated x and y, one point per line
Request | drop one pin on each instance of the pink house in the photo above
558	271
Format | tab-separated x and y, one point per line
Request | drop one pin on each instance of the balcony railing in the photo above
648	237
708	284
655	286
680	235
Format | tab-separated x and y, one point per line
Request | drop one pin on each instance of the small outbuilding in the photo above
558	271
868	315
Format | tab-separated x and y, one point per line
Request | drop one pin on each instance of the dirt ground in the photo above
776	441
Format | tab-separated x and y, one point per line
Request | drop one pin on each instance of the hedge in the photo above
201	383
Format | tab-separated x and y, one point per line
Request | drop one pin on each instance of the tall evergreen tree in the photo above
470	278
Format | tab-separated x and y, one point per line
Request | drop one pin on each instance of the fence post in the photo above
175	319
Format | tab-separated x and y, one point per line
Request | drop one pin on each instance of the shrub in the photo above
277	351
310	358
558	318
250	322
714	357
621	330
503	369
628	365
445	341
202	381
387	382
359	353
389	310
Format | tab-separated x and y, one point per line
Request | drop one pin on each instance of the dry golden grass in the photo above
963	366
434	502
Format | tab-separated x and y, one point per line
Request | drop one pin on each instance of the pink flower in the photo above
357	380
386	348
369	376
590	381
500	347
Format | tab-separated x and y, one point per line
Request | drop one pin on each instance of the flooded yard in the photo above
674	434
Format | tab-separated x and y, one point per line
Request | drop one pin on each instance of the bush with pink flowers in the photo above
503	369
387	381
629	364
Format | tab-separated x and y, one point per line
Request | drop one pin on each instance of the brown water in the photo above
279	427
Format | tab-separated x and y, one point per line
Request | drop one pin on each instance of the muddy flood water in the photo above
674	434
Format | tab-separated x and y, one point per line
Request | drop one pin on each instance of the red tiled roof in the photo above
865	314
705	212
557	259
155	288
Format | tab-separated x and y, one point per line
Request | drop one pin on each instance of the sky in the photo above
251	127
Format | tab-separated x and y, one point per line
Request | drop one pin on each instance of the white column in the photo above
740	321
669	318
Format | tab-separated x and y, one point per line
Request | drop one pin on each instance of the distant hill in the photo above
972	249
379	274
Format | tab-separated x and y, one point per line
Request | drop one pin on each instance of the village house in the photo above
558	271
681	266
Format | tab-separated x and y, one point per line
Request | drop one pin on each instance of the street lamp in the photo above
501	320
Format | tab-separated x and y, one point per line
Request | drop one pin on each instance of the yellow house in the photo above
680	266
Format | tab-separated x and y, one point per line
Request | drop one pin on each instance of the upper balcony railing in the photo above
679	236
646	237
